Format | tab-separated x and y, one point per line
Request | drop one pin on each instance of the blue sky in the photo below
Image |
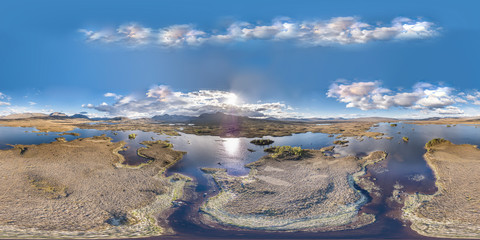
255	58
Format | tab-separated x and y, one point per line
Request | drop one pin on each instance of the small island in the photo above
340	142
262	142
317	194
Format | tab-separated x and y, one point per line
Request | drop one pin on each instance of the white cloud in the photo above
134	34
161	92
5	100
105	36
339	30
180	35
370	95
473	97
113	95
450	110
87	105
437	98
161	99
32	103
14	109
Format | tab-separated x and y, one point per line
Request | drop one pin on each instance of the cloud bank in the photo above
370	95
335	31
160	99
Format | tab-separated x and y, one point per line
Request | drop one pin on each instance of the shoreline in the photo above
445	201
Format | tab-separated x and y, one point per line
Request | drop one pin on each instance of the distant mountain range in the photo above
56	115
203	119
172	118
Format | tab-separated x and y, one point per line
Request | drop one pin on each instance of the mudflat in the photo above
288	192
454	210
82	189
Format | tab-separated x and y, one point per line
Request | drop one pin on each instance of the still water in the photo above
404	165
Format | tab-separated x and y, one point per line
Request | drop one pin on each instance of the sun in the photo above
231	99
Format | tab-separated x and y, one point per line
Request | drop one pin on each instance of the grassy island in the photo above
262	142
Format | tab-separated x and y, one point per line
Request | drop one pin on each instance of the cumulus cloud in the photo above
339	30
134	34
450	110
473	97
161	99
161	92
370	95
180	35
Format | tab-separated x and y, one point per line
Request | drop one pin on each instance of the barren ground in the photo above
454	210
81	189
314	192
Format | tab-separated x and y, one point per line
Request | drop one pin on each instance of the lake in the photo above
404	165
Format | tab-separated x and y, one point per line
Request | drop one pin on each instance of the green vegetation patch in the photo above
132	136
72	133
393	125
166	144
434	142
262	142
405	139
285	151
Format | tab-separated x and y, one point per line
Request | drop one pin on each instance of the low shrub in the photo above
434	142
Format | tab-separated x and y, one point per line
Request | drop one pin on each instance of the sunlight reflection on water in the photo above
232	146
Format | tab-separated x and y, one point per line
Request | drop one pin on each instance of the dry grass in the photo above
81	187
449	121
250	128
45	125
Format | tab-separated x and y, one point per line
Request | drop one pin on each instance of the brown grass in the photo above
79	185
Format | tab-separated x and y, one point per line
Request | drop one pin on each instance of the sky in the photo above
407	59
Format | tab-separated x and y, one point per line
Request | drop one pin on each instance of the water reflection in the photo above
232	146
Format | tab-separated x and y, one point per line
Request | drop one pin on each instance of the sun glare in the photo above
232	99
232	146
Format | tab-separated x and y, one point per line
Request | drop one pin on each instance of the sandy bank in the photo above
314	192
454	210
81	189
